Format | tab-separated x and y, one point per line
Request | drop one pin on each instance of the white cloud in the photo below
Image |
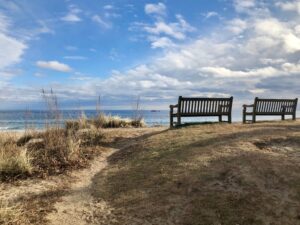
5	23
292	43
162	42
257	91
110	12
270	26
158	9
223	72
108	7
12	49
272	61
168	29
279	32
244	5
101	22
211	14
72	16
237	26
291	68
54	65
289	5
43	28
176	30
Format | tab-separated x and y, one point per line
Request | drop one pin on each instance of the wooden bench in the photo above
270	107
194	107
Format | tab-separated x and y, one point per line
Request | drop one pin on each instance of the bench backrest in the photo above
204	106
275	106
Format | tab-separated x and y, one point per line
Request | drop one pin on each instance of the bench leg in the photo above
283	117
229	118
254	118
171	120
220	118
294	116
244	114
178	120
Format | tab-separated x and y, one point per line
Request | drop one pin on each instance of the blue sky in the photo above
157	50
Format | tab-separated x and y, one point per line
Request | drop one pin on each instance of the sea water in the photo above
39	119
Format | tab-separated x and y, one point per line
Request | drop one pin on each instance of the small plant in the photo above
53	112
103	121
90	137
72	125
137	112
56	151
14	161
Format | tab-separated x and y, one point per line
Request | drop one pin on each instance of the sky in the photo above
157	50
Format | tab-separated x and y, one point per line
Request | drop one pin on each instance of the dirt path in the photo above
78	205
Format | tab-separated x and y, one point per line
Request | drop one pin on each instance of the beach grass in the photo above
48	152
15	161
104	121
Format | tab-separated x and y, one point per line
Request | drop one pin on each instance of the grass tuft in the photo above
14	161
104	121
45	153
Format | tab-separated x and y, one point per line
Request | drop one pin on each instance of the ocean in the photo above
11	120
38	119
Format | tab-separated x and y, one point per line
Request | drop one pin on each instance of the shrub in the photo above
72	125
56	151
103	121
14	161
89	137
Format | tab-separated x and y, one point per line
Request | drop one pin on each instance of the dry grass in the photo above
11	215
104	121
14	161
46	153
209	174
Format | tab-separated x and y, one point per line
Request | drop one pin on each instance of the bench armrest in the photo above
247	106
173	106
